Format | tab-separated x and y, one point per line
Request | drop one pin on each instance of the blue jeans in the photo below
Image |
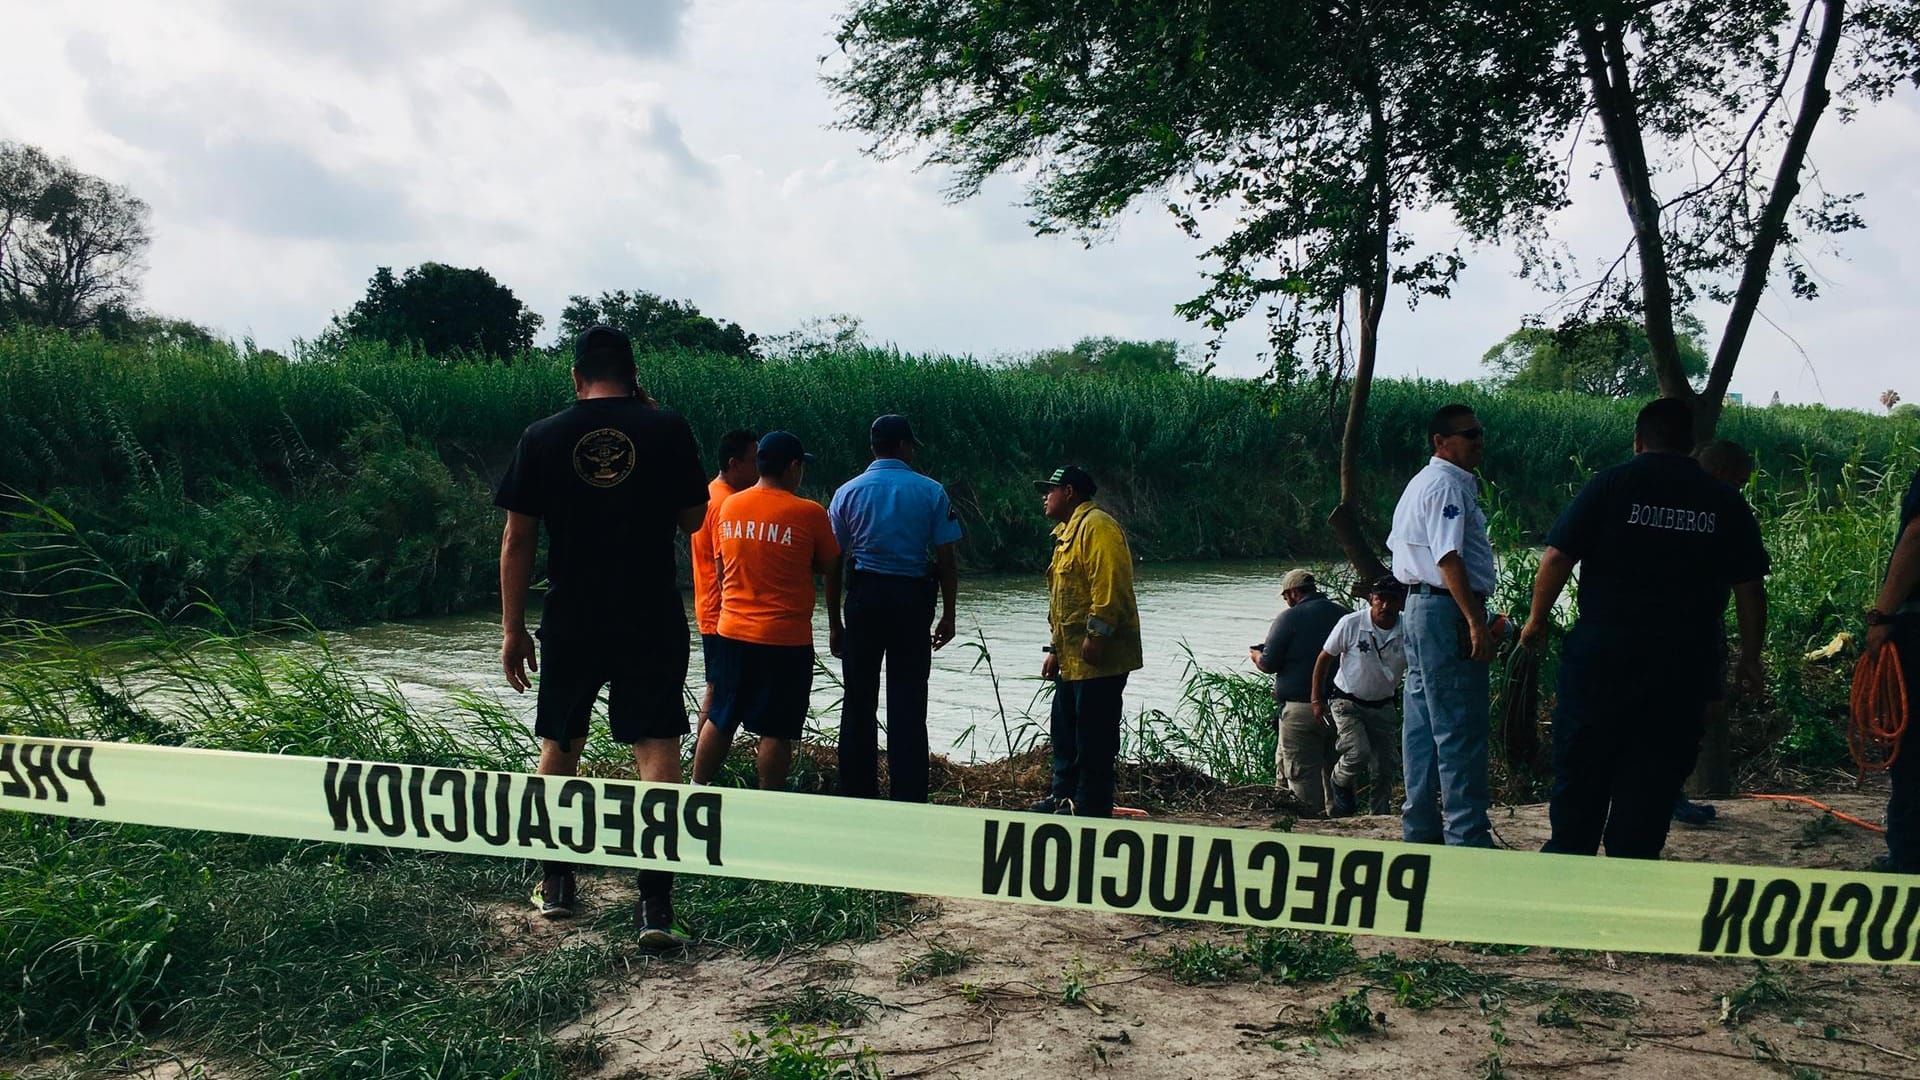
1444	738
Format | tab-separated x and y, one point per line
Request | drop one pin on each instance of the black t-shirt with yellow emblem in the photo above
607	476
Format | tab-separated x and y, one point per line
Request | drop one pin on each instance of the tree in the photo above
1111	356
117	323
1315	127
1889	398
655	323
442	310
822	335
70	243
1609	358
1710	83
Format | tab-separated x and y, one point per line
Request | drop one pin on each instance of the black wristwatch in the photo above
1876	617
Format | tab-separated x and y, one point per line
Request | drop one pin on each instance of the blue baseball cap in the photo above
892	430
778	449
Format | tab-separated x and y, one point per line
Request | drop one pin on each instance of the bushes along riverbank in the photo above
355	485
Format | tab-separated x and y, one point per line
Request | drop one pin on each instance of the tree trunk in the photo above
1345	521
1603	49
1766	240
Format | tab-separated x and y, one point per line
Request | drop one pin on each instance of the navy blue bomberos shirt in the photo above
607	477
1660	542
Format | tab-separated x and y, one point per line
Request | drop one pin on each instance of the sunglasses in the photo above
1472	434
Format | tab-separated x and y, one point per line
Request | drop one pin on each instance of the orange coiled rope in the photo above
1879	710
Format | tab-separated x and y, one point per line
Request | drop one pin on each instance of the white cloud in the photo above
689	150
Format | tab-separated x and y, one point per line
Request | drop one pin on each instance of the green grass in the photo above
280	957
787	1052
1279	955
817	1006
937	962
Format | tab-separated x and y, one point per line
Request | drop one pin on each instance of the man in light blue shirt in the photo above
1441	553
896	530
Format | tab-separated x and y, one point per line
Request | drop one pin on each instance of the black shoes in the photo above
653	917
554	897
1052	804
1346	801
1693	813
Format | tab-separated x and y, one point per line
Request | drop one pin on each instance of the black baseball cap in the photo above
1067	476
778	449
892	430
601	338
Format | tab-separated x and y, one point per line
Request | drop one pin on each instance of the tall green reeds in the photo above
355	484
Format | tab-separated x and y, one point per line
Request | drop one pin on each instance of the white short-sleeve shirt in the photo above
1438	513
1372	659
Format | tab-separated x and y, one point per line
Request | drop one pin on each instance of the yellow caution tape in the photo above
1244	876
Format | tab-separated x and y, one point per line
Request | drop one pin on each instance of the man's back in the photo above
706	578
607	476
889	516
770	542
1659	542
1293	644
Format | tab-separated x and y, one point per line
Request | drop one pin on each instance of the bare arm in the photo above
1903	576
948	571
517	543
1453	571
1750	611
691	518
1556	567
1323	666
835	627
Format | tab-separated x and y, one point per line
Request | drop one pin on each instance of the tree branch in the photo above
1786	187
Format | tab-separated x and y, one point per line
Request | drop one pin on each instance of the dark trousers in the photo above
1626	730
889	621
1903	808
1086	738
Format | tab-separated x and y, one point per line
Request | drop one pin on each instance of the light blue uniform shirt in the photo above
889	519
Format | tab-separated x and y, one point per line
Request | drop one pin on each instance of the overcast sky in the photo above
288	149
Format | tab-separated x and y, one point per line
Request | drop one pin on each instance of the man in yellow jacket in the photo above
1096	642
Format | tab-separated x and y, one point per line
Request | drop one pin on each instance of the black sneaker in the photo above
1346	801
554	896
653	917
1687	812
1048	805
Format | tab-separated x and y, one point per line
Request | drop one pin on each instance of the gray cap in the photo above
1298	578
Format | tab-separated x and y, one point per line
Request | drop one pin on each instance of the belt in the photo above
1342	695
1421	588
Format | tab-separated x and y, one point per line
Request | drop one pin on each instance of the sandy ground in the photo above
1006	1013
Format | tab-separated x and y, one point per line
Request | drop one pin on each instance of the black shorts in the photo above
763	688
712	657
647	680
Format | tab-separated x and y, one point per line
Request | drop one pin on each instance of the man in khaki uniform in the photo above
1096	642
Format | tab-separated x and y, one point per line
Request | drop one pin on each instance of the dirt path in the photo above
1068	993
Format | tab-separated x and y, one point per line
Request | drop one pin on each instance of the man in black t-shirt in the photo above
611	477
1659	543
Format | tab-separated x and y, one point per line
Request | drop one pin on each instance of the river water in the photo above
1213	609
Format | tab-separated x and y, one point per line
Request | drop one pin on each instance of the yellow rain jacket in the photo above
1090	584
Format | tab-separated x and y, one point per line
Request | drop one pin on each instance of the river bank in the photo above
353	485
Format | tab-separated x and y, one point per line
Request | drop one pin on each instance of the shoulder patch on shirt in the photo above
1450	512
